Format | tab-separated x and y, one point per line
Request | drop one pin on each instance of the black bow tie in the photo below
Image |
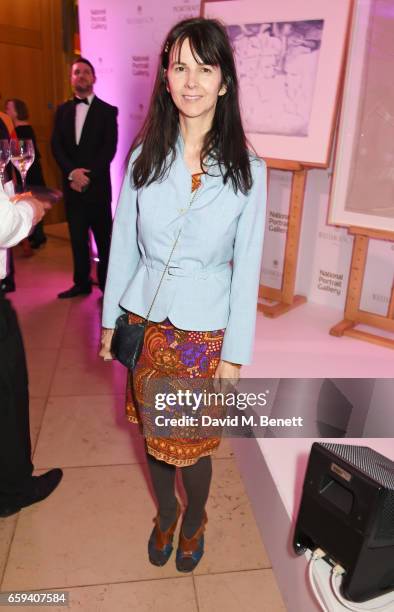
79	100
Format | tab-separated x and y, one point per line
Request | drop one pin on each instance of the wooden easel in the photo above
284	297
353	315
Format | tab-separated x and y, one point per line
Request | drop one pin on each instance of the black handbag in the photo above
127	341
128	338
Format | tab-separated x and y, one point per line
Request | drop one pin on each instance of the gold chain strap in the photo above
171	254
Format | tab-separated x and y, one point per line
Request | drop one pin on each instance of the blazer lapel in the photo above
70	122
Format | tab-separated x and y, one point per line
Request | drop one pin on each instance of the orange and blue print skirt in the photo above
172	354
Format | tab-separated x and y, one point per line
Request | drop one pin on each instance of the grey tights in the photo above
196	481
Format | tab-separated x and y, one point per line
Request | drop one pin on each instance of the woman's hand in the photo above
105	349
226	375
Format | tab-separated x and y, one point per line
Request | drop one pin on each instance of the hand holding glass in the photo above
22	157
4	158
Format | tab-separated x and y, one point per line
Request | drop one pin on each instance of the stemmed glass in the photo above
4	157
22	156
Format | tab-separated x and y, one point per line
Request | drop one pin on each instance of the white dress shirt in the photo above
16	221
81	110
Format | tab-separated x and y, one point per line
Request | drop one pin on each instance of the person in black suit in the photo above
84	143
18	487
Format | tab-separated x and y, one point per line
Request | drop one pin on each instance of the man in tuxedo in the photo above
84	143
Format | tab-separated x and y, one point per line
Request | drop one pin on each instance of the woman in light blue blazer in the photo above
190	170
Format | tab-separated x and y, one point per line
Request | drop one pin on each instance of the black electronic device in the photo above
347	509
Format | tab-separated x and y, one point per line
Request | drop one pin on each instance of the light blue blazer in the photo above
213	279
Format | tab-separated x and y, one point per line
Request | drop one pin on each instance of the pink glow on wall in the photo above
122	39
101	43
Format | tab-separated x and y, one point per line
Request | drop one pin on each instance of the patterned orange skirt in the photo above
172	353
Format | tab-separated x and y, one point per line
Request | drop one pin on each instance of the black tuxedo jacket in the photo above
95	151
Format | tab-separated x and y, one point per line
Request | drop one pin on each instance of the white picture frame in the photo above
362	193
289	58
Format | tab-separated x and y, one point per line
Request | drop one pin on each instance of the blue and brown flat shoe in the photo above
190	550
160	542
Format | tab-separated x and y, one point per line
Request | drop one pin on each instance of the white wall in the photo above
122	38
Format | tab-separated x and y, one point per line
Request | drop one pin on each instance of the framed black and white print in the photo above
289	57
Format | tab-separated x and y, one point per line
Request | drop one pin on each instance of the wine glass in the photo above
4	157
22	157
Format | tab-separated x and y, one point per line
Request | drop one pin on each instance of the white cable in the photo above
316	555
313	585
349	605
337	571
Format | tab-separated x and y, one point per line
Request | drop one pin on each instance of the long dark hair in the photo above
225	142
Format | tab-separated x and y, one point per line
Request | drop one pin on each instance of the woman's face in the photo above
194	87
11	110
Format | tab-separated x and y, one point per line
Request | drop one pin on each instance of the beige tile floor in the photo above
90	536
